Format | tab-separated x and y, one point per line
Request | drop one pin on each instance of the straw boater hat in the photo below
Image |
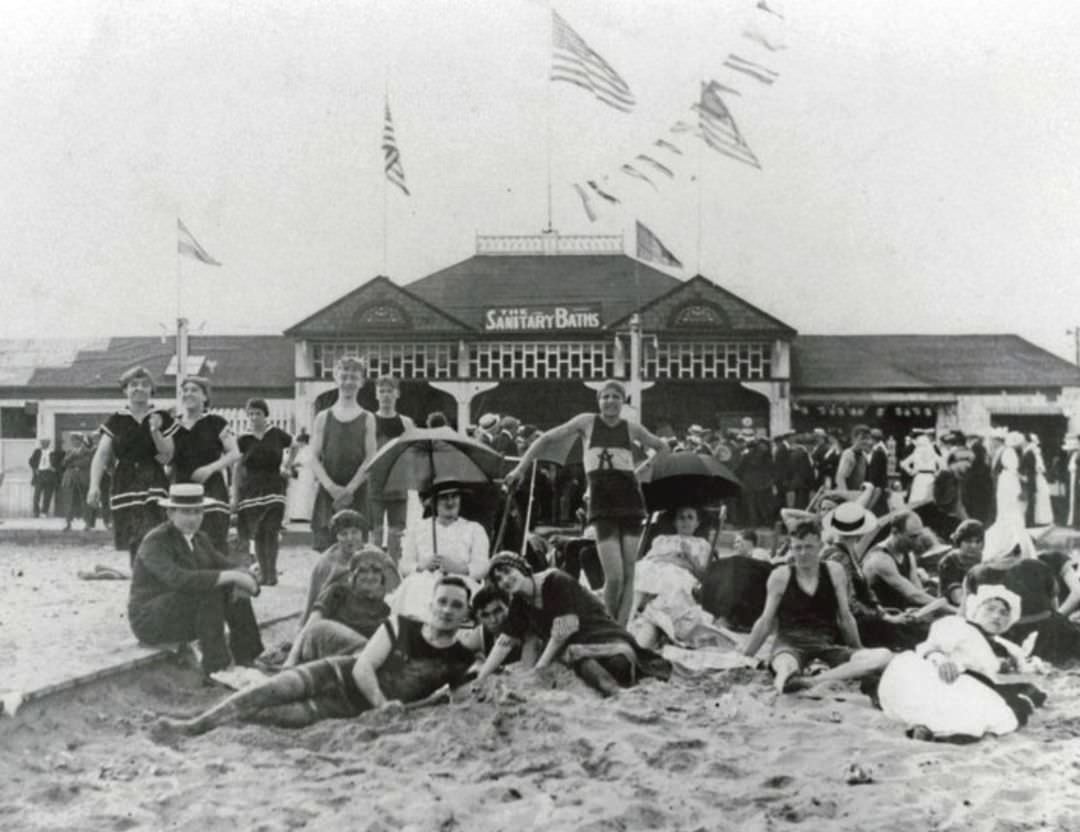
185	495
849	519
1014	439
489	421
988	592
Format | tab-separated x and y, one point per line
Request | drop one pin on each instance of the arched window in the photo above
700	315
382	316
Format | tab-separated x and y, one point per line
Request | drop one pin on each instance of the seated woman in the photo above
348	528
664	586
349	608
446	543
947	689
1057	639
553	610
405	661
968	541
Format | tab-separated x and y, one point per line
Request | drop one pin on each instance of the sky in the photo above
918	159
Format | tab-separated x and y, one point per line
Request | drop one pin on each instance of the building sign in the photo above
542	318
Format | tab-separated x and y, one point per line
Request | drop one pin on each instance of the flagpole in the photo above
180	336
699	148
547	98
386	181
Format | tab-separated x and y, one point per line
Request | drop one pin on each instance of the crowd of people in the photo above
856	584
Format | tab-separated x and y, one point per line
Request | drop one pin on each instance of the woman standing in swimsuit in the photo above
616	505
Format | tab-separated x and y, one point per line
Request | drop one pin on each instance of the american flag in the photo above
718	127
573	61
394	171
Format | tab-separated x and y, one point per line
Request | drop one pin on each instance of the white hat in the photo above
850	519
185	495
488	421
1014	439
988	592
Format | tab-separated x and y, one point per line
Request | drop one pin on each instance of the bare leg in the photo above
645	633
289	687
862	663
609	550
629	551
784	666
597	677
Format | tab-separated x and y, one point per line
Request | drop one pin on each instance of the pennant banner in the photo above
188	246
589	212
630	170
753	70
718	127
650	249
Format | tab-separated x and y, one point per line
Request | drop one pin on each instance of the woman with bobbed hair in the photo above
138	439
968	540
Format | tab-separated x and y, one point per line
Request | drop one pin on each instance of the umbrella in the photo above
670	480
420	456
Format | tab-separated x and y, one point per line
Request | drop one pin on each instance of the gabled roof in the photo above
912	362
618	283
260	362
411	313
734	313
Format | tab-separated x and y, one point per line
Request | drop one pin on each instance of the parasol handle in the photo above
505	517
528	510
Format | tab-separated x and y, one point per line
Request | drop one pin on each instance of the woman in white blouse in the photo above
445	543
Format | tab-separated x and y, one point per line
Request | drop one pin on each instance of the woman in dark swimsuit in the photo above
259	487
616	506
139	440
205	449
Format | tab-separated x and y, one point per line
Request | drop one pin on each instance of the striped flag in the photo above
771	42
589	212
718	127
394	171
664	169
650	249
630	170
754	70
573	61
664	143
187	245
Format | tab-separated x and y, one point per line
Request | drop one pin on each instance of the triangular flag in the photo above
187	245
650	249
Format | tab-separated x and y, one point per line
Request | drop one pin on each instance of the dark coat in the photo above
165	564
802	470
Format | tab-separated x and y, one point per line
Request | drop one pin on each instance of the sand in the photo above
711	753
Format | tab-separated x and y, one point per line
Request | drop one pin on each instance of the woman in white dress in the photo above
445	543
922	465
1009	527
948	689
1044	512
664	583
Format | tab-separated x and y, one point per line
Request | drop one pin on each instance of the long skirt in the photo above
912	692
136	488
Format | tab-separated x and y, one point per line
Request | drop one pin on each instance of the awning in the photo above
883	397
1009	409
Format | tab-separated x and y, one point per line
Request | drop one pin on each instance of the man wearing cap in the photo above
182	588
486	427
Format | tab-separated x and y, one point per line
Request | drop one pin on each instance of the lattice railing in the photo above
431	360
541	359
708	359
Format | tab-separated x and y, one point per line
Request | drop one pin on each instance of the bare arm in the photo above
503	646
778	581
562	628
1072	581
369	451
846	621
371	658
883	567
317	468
644	437
577	425
102	458
294	653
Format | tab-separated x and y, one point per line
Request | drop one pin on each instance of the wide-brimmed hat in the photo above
988	592
185	495
444	485
849	518
373	556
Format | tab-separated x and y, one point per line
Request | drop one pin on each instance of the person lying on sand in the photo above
947	688
807	603
490	607
552	610
349	609
406	661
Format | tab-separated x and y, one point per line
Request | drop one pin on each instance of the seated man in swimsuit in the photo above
404	662
807	602
890	567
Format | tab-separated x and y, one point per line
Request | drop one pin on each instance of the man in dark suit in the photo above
802	474
45	466
1029	466
782	469
877	473
182	589
506	439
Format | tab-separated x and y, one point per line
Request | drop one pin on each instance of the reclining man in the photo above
405	661
807	602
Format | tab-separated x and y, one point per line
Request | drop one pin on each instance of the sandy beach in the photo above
715	752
